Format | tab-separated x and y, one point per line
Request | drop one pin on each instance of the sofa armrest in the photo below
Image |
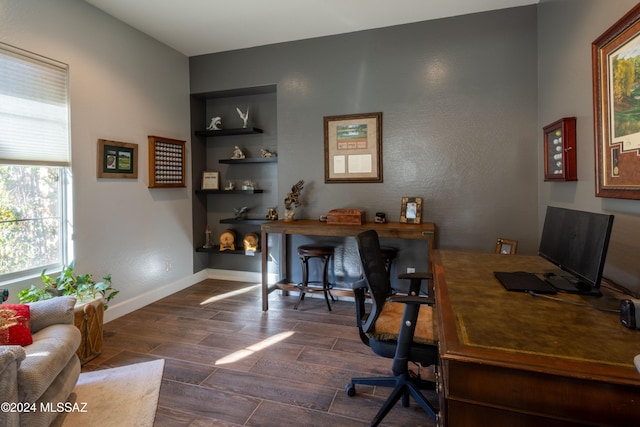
58	310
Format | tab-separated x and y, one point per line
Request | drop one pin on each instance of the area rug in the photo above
118	397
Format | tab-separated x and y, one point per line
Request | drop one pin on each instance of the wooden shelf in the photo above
216	249
243	221
249	160
255	191
228	132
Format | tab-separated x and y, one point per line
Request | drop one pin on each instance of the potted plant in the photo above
92	299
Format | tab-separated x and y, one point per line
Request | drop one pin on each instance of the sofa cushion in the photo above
50	352
14	324
51	311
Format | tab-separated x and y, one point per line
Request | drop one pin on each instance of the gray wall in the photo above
124	86
459	103
566	29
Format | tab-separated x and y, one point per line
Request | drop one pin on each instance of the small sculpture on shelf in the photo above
250	242
240	213
248	185
272	214
228	240
266	153
216	124
237	153
207	237
243	116
230	186
292	199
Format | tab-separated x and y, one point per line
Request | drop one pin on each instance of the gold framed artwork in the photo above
166	162
506	246
210	180
616	99
411	210
353	148
117	159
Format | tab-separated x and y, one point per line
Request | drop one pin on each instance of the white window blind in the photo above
34	110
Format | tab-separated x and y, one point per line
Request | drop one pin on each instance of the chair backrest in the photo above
374	271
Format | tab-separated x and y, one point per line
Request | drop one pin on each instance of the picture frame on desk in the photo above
411	210
353	148
614	56
506	246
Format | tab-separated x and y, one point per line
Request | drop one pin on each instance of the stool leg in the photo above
305	280
325	281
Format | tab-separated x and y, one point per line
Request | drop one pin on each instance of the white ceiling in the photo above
197	27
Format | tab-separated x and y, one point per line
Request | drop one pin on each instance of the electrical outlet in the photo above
411	270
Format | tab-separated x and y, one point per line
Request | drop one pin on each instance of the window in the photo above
34	164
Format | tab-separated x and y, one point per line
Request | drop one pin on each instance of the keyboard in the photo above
522	281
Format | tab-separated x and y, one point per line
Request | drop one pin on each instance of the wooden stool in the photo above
324	254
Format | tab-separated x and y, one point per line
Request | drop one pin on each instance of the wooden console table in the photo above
425	231
513	359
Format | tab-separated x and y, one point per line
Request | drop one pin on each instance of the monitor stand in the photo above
572	285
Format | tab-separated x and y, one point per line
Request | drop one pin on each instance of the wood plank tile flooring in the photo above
230	364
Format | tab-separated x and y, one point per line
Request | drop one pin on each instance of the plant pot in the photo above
88	318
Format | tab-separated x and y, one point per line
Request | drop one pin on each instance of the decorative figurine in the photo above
237	153
272	214
228	240
240	213
266	153
230	186
250	242
207	237
292	199
381	218
216	124
248	185
244	117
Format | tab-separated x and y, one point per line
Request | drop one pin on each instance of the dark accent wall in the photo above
459	104
566	30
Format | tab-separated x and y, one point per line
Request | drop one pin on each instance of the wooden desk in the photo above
310	227
512	359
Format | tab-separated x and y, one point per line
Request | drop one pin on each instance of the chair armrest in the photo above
422	275
8	355
410	299
58	310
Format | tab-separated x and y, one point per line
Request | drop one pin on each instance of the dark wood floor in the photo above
230	364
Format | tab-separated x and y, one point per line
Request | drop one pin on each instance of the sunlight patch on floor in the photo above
220	297
248	351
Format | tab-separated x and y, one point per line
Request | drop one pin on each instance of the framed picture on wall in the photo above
210	180
117	159
353	148
615	58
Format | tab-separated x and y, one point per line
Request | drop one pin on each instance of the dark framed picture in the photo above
506	246
117	159
353	148
411	211
166	162
616	91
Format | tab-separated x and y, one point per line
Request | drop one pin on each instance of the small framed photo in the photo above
411	212
210	180
506	246
117	159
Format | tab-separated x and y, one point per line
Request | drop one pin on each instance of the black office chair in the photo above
397	337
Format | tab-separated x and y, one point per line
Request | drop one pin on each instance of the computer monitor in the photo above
577	242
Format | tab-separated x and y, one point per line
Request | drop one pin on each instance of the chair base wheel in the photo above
350	389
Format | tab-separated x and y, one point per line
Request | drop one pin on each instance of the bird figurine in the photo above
240	213
216	124
243	116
